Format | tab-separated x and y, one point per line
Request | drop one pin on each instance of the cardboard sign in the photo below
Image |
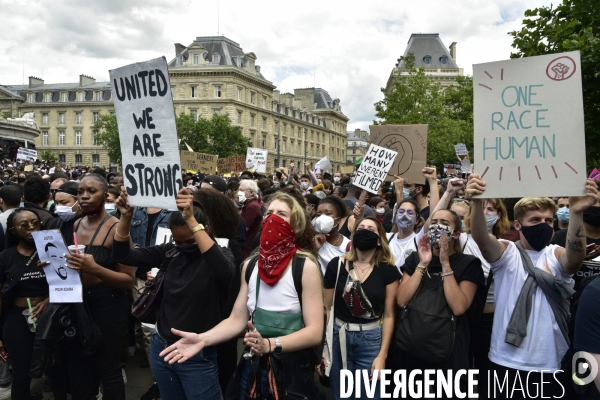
231	164
64	283
529	131
410	142
26	154
256	159
28	168
163	236
199	162
147	132
374	168
347	169
460	149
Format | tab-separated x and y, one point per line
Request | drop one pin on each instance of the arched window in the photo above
444	60
427	60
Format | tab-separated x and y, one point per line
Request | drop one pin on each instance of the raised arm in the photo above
313	178
434	192
573	254
490	247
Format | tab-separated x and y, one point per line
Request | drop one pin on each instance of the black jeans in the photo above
19	345
108	309
480	341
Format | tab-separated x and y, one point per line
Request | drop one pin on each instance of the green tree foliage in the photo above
108	136
417	99
48	156
568	26
212	136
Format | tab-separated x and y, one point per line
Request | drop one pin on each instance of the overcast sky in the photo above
346	47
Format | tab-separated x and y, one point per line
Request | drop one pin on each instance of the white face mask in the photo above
323	224
491	221
303	185
380	211
66	213
336	179
241	196
110	208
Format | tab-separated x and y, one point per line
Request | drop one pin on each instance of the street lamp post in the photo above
278	133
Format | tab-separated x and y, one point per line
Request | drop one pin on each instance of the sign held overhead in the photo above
374	168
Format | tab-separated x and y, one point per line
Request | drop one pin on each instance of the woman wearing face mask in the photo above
22	282
379	207
109	206
328	240
405	241
364	284
439	261
195	287
104	284
67	208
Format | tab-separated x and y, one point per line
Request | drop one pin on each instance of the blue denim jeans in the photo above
361	350
197	378
245	370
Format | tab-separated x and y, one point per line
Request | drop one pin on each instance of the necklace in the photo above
363	270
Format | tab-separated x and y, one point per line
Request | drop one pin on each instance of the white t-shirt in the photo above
544	346
402	248
467	243
281	297
328	252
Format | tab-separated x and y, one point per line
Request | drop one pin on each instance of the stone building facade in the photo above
211	75
357	145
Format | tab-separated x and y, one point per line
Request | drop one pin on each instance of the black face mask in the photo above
21	180
538	236
29	242
592	216
365	240
188	248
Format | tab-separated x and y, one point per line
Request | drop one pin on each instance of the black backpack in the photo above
316	352
426	327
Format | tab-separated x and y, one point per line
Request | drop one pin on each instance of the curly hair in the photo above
11	238
223	217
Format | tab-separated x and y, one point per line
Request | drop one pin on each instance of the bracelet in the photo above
200	227
268	340
121	236
447	273
421	269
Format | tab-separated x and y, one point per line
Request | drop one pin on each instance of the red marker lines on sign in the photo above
538	172
487	87
502	74
519	173
484	172
501	168
488	74
571	167
553	170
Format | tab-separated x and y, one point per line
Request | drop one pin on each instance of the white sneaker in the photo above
5	393
99	395
124	375
132	349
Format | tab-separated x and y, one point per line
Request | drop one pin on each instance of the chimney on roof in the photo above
453	51
178	49
35	82
85	80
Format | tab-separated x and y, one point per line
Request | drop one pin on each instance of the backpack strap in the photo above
250	268
297	270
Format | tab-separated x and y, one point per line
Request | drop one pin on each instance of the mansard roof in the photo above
430	45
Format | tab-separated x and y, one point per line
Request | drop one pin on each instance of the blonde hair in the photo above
383	254
502	225
533	204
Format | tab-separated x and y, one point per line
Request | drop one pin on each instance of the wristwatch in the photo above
277	346
200	227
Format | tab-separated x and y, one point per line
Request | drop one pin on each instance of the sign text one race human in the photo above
148	133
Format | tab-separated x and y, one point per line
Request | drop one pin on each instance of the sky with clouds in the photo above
346	47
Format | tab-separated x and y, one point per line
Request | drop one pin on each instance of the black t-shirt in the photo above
588	267
459	359
374	288
587	321
425	211
150	227
33	280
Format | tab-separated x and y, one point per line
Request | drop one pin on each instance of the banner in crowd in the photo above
198	162
410	142
231	164
64	283
348	169
323	164
529	131
147	132
460	149
163	236
374	168
26	154
256	159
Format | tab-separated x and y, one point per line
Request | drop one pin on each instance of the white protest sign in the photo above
324	163
163	236
374	168
460	149
256	159
465	167
64	283
26	154
529	131
147	132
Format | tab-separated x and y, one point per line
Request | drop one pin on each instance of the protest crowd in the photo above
312	273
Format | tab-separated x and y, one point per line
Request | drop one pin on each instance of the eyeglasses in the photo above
401	211
36	223
462	201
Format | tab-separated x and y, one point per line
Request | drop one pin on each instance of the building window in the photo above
96	116
30	97
264	123
353	151
252	97
194	114
252	120
80	96
196	59
444	60
217	111
45	118
173	92
194	91
217	91
78	159
48	97
63	97
216	58
96	160
61	138
427	60
252	138
78	118
264	102
264	142
95	138
239	94
284	148
78	138
61	118
98	96
62	158
45	138
239	117
294	113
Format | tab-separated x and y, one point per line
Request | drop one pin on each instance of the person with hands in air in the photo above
276	361
197	276
22	282
419	192
533	284
364	284
437	338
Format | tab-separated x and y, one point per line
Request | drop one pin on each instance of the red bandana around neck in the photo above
277	247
